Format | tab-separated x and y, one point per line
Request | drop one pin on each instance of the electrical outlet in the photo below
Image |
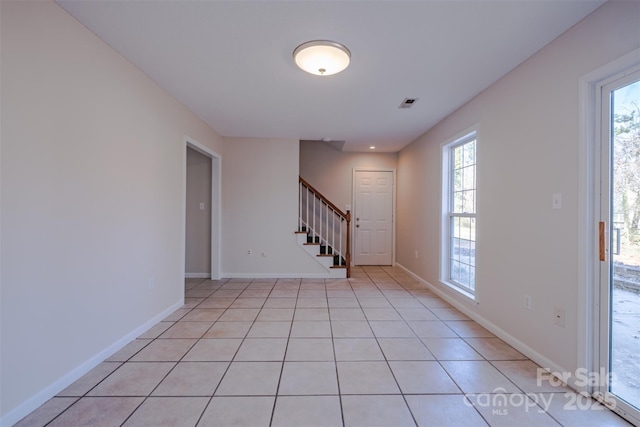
152	283
558	316
249	251
416	254
527	302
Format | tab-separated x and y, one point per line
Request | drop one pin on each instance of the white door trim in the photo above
393	214
589	211
216	184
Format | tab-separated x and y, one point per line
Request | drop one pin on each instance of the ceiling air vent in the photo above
408	102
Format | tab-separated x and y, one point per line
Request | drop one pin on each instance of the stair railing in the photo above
325	224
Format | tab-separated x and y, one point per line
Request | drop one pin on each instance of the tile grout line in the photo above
85	395
389	289
213	394
386	359
275	398
335	359
463	394
443	369
174	366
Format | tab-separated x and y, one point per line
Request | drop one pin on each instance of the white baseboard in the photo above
523	348
35	401
276	276
197	275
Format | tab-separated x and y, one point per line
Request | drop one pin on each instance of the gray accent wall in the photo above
198	213
330	171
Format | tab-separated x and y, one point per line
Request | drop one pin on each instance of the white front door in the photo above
373	218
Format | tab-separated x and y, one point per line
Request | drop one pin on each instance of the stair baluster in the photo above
314	220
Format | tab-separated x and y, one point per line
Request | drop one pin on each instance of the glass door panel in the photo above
621	283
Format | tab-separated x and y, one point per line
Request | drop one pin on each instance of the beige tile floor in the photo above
378	349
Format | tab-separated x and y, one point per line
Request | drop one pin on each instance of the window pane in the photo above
460	273
464	251
458	200
472	253
472	229
464	228
457	156
456	248
455	271
469	177
457	180
469	201
469	153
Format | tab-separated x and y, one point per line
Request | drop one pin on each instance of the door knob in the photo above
357	225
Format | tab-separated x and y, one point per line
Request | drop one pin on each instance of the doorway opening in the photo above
202	215
198	216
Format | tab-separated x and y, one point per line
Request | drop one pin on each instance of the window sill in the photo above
459	290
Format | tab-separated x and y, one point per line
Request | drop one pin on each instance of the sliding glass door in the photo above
619	252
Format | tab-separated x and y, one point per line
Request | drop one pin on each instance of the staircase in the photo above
324	231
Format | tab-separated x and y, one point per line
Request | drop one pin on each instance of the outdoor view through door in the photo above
620	281
373	218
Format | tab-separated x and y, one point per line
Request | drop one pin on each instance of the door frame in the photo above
606	87
216	207
393	212
589	205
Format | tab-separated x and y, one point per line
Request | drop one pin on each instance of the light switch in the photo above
557	201
201	206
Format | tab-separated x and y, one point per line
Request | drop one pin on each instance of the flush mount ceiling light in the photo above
322	57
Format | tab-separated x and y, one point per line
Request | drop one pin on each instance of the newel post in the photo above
348	254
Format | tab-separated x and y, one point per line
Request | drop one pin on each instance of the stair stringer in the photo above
325	261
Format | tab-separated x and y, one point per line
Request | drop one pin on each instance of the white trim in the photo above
197	275
393	212
446	147
541	360
35	401
591	353
588	321
277	276
216	201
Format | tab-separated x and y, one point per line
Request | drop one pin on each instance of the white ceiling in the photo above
230	62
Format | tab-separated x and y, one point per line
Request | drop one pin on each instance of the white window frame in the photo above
447	150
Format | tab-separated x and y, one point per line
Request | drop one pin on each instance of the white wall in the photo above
198	226
331	171
92	180
260	200
528	146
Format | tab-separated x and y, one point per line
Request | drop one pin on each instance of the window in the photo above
459	219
